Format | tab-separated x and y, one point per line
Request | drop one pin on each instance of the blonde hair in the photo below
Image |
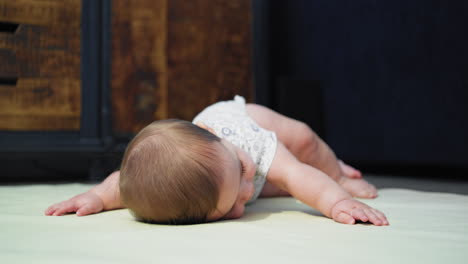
170	173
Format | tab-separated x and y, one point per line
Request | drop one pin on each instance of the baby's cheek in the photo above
236	212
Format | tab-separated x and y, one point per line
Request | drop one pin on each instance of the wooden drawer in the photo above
40	87
95	75
170	59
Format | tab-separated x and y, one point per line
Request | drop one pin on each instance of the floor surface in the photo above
459	186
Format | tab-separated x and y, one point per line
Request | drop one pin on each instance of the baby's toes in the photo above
368	192
359	188
371	191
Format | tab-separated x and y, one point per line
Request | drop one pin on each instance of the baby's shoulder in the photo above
224	110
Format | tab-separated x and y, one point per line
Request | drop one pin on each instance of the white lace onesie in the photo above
230	121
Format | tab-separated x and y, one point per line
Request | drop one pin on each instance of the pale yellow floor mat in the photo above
425	228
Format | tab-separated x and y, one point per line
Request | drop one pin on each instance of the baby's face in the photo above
238	186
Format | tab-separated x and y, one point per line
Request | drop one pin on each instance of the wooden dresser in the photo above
83	76
40	65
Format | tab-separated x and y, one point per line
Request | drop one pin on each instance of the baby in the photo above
177	172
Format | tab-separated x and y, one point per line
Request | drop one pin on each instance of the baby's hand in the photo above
349	210
83	204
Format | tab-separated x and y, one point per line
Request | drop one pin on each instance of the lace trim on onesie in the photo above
230	121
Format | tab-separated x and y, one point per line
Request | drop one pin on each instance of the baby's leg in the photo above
309	148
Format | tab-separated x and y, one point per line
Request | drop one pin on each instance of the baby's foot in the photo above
349	171
358	187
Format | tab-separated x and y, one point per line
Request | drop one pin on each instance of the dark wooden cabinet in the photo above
170	59
53	92
40	65
81	77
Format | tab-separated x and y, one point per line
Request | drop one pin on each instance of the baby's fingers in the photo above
64	210
344	218
51	209
87	210
380	216
383	217
61	208
376	217
360	215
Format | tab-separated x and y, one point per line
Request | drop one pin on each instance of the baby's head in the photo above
171	173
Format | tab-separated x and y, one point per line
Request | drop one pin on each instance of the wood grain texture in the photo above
43	55
42	104
172	58
41	12
25	63
209	54
139	74
33	37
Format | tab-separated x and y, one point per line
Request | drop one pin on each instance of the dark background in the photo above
383	82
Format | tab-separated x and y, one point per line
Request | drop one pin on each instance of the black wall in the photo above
384	82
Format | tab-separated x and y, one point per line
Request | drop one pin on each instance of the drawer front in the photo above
40	87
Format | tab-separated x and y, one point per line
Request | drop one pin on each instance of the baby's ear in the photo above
202	125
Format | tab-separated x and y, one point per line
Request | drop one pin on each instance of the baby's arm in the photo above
299	139
316	189
104	196
309	148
